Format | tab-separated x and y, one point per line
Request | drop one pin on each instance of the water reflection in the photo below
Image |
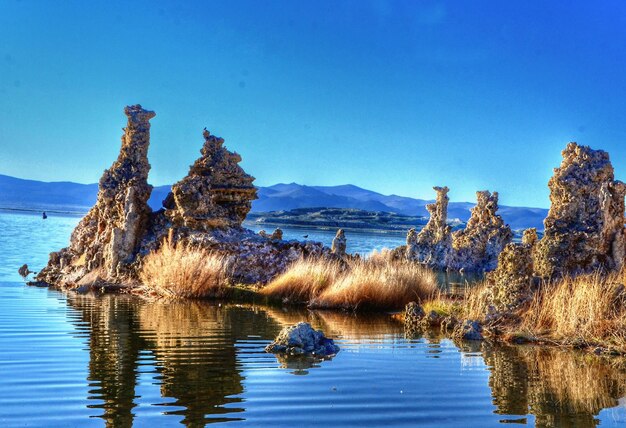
559	387
114	346
198	354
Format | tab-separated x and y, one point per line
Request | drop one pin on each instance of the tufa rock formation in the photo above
217	193
277	234
105	241
204	209
301	339
476	248
584	230
339	244
510	284
433	243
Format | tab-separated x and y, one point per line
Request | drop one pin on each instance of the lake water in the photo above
73	360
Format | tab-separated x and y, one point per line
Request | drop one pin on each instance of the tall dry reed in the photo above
588	308
185	271
377	282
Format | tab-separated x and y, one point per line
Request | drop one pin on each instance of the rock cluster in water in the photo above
206	209
584	230
302	339
475	248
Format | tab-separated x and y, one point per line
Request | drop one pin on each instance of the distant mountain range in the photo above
68	196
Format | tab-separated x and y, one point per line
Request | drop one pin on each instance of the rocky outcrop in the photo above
105	241
511	283
205	209
339	244
476	248
252	258
432	245
217	192
302	339
277	234
584	230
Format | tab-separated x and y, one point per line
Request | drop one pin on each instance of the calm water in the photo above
104	360
358	242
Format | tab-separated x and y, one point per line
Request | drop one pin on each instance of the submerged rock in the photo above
584	230
106	239
339	243
469	330
476	248
432	245
217	192
301	339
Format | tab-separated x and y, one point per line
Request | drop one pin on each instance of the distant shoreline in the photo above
47	211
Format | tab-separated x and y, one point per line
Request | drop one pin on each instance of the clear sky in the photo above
394	96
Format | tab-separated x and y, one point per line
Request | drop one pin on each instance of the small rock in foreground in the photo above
301	339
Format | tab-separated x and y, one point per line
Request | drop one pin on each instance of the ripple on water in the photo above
71	360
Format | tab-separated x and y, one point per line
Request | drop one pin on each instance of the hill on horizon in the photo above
69	196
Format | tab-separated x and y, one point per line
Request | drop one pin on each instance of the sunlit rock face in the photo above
510	284
433	243
106	239
584	230
217	192
339	243
476	248
204	209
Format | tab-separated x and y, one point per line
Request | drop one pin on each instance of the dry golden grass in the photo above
585	309
375	282
305	279
185	271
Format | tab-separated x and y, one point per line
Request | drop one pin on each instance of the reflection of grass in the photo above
376	282
553	383
176	270
472	304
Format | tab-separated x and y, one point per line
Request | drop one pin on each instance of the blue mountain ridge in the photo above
68	196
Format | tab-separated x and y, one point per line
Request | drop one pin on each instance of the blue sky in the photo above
394	96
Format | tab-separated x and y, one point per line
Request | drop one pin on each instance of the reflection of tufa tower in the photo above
560	388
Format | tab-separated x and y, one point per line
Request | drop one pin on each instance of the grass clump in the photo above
585	309
305	279
185	271
373	283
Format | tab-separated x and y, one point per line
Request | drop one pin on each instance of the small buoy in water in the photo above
44	215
